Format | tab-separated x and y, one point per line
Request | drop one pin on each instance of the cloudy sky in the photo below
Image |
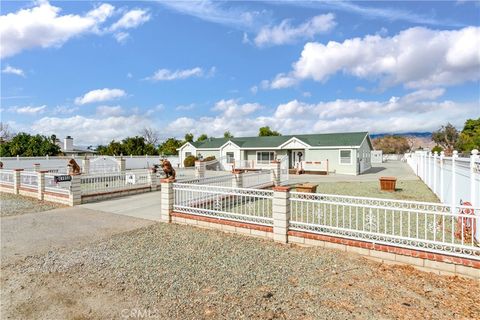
104	70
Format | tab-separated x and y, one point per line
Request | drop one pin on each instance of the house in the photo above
69	149
343	153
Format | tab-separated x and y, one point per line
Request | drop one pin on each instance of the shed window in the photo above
188	154
345	156
230	157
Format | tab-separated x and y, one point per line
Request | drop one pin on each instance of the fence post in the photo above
281	213
435	157
200	169
36	167
442	159
454	187
237	180
86	165
473	192
41	184
429	171
152	179
167	200
75	197
275	173
122	164
16	180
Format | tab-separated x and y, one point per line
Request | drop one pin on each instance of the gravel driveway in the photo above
180	272
14	204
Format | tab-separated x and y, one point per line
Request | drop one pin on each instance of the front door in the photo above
296	157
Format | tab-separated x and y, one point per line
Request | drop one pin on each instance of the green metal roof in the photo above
314	140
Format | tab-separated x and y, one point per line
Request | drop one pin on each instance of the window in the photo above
230	157
345	156
188	154
265	156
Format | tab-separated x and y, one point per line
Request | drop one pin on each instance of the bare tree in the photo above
5	132
150	135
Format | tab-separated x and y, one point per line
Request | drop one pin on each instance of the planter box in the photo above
306	187
388	183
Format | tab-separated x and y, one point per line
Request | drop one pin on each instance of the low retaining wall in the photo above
424	261
114	194
6	188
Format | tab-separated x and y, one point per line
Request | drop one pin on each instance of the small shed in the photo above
377	156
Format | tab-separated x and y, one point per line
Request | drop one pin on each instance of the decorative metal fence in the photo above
260	179
6	177
29	179
108	182
423	226
237	204
56	187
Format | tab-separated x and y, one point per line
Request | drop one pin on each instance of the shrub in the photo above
437	149
189	161
209	158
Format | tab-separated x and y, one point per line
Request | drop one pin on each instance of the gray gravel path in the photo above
13	204
181	272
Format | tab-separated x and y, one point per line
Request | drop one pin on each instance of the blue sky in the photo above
104	70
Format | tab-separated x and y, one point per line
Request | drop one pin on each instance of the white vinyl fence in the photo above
110	182
6	177
453	179
424	226
237	204
219	181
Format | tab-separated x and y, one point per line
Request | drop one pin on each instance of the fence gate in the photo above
104	164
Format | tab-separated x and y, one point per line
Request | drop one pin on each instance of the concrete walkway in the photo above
144	206
37	233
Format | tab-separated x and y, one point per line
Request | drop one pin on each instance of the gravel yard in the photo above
181	272
13	204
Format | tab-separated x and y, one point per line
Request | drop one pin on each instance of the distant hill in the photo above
406	134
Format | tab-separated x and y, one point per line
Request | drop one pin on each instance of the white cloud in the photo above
254	89
231	108
131	19
416	57
64	110
121	37
88	130
109	111
43	26
168	75
184	107
28	110
11	70
100	95
286	33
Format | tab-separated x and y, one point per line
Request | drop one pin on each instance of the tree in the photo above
266	131
446	137
189	137
202	137
150	135
391	144
170	146
437	149
227	135
136	146
469	138
5	132
26	145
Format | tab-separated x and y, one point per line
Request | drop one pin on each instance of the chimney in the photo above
68	144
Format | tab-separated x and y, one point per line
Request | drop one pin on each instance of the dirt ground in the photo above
167	271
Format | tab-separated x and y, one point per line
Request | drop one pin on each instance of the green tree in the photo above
437	149
115	148
266	131
202	137
227	135
446	137
26	145
170	146
189	137
137	146
469	138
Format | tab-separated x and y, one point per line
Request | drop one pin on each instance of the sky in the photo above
100	71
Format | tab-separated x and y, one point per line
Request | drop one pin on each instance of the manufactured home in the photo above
343	153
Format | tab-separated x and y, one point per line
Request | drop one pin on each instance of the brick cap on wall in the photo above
168	180
18	169
43	171
281	188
